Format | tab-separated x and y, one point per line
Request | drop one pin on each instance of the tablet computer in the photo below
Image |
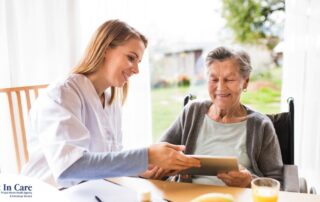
212	165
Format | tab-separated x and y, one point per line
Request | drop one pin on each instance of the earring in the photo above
245	90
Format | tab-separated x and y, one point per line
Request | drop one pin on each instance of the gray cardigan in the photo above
262	143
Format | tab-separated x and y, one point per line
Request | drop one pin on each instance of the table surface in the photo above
182	192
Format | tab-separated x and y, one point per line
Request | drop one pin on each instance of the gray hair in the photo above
223	53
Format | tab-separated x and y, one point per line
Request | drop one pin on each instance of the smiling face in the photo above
121	62
225	83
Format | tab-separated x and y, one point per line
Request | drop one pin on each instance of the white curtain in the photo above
301	80
41	41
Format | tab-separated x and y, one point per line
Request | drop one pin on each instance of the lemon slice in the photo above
214	197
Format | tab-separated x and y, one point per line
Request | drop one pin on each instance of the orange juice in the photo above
265	194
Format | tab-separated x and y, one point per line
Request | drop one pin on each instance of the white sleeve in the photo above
62	135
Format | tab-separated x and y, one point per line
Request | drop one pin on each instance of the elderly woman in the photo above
225	127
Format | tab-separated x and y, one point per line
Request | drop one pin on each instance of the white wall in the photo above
301	80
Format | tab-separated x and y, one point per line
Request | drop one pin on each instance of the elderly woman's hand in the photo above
240	178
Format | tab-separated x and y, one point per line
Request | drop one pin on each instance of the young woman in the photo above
74	132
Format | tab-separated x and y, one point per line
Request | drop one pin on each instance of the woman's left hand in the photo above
240	178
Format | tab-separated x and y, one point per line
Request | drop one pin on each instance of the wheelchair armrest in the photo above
291	178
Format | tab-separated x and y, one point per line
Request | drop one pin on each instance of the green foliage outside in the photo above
167	103
265	98
253	21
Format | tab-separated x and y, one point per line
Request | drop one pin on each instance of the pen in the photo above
97	198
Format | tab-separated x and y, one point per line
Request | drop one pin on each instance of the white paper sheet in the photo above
106	191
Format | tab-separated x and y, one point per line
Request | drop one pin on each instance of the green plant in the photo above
183	81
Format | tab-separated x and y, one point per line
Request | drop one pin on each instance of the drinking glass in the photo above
265	189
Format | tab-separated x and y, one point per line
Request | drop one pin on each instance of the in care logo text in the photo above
16	190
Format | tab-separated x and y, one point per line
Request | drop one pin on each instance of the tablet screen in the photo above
212	165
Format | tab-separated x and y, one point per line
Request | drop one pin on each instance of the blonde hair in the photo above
110	34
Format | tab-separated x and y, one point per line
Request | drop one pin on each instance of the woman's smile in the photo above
126	76
222	95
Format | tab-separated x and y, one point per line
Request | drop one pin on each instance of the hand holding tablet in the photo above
212	165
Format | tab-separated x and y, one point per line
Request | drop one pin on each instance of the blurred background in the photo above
41	41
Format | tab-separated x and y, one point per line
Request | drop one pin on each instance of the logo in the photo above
16	190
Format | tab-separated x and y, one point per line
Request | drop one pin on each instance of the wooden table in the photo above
184	192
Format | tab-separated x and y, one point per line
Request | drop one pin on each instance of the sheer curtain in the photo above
301	80
42	40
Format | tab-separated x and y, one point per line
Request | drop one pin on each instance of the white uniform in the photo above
66	121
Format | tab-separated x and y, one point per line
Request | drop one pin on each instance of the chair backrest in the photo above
19	103
187	98
284	126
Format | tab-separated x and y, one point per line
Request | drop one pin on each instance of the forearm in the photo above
104	165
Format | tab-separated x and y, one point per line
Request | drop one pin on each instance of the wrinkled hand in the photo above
240	178
169	157
155	172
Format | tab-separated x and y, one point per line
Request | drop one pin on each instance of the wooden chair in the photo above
19	102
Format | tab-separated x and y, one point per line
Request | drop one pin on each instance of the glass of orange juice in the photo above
265	189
